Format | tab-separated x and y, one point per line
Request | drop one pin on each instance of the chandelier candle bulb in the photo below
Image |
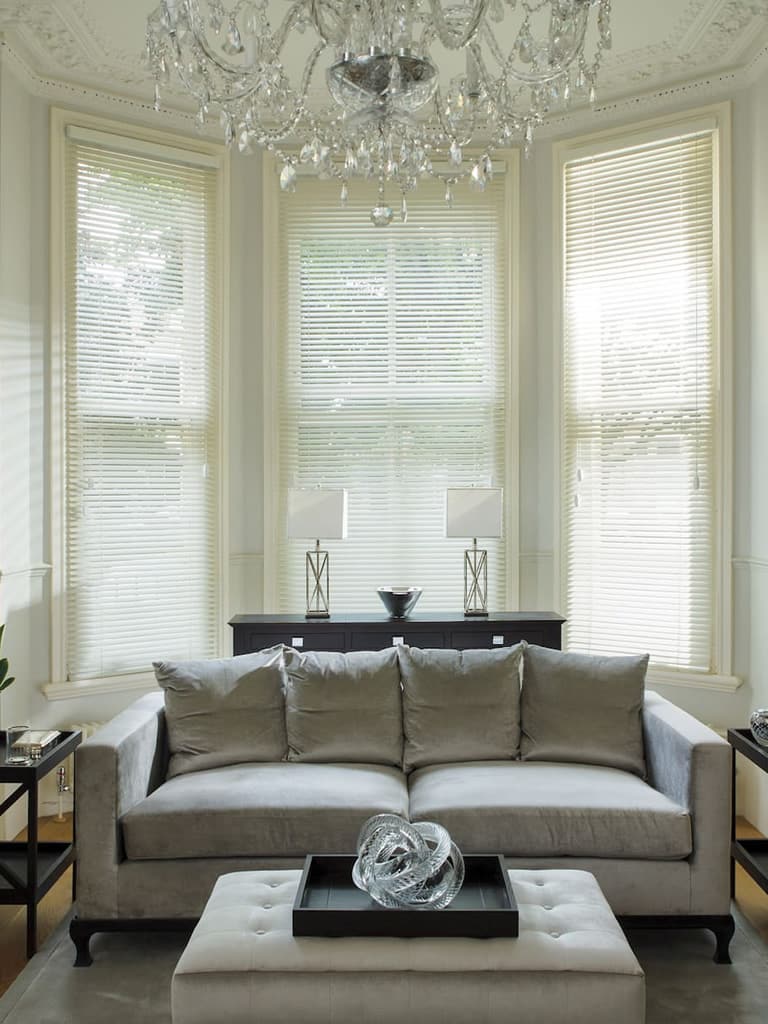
374	60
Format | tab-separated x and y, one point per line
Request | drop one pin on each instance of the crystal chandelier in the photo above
395	114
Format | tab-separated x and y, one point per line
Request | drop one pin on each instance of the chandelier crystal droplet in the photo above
355	87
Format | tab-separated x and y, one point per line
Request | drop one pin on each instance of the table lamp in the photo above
474	512
317	512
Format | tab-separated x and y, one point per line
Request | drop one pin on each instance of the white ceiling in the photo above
657	43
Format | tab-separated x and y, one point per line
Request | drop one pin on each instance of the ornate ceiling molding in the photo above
64	48
710	36
59	39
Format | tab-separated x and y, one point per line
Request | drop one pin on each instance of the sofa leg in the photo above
81	930
81	933
723	932
721	925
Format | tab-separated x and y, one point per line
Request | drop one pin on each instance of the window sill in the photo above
693	680
136	681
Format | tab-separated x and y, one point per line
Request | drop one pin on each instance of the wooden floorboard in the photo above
751	900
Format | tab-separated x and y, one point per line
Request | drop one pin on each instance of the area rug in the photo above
130	980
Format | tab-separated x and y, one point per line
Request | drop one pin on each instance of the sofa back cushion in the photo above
583	708
224	711
460	705
343	707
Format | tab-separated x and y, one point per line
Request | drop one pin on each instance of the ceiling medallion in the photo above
395	114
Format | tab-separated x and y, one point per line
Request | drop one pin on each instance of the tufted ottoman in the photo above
570	964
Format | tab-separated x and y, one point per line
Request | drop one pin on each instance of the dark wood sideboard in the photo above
372	632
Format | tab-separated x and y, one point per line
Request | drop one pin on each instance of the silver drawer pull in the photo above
497	641
297	641
397	640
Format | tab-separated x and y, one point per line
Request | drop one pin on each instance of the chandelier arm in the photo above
235	70
448	36
449	132
541	77
279	133
290	20
323	30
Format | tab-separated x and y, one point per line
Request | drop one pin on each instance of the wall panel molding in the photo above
750	563
39	571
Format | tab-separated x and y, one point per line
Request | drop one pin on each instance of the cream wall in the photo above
755	392
24	366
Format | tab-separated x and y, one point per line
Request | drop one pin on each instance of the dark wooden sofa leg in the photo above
81	930
722	926
723	932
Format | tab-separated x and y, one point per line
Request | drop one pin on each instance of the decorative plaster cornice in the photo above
60	49
709	37
60	40
644	104
97	100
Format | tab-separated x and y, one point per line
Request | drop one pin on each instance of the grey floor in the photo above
129	982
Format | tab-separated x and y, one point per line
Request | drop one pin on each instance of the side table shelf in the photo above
28	868
752	854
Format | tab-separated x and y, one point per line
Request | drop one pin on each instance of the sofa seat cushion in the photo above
525	809
262	810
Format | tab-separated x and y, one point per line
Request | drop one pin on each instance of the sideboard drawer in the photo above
501	637
370	640
301	639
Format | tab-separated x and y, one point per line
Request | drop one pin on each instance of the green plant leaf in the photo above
7	683
2	630
3	667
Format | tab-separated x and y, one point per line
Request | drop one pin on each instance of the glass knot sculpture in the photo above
407	864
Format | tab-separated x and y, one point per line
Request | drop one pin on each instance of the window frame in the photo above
273	328
716	117
152	142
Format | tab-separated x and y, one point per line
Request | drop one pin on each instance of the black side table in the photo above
752	854
29	868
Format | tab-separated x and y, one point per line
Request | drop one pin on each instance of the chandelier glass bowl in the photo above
392	90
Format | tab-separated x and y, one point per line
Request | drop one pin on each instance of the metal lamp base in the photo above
475	581
318	584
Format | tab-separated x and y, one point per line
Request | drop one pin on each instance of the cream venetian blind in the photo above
639	391
141	399
392	382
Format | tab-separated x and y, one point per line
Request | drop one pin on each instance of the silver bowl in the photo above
399	600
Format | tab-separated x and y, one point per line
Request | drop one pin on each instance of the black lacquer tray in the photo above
329	903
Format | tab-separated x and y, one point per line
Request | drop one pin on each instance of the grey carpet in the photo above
129	982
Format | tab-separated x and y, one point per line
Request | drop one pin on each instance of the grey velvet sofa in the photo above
290	753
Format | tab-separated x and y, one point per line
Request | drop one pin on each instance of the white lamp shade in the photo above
473	511
317	512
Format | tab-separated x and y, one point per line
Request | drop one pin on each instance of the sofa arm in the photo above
116	768
692	765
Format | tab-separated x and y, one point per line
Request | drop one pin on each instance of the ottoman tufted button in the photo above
548	906
555	935
539	882
273	885
267	906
